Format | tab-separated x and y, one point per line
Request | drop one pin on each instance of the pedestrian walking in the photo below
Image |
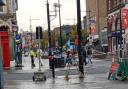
69	58
89	54
39	55
18	59
32	55
74	61
84	56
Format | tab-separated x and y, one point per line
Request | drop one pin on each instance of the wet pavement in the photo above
95	77
89	82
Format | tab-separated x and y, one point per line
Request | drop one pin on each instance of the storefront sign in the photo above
116	34
124	17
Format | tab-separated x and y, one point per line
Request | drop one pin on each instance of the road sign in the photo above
17	37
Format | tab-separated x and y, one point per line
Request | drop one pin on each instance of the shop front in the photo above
4	40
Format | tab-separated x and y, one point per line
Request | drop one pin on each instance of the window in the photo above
109	5
115	3
1	8
126	1
118	2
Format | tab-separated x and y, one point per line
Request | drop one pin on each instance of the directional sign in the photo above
17	37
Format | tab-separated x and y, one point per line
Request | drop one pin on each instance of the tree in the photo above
85	35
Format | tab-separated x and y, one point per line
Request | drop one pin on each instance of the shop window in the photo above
1	8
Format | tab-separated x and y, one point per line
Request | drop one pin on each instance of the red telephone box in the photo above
5	48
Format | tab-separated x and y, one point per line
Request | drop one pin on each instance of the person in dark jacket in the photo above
84	56
89	54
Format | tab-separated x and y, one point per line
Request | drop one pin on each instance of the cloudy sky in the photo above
36	9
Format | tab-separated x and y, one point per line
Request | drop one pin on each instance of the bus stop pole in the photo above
81	68
1	68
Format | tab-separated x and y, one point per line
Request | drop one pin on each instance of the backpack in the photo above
89	52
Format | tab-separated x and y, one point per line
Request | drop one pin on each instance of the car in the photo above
45	55
59	60
26	54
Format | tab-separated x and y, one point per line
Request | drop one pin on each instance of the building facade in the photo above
8	27
117	29
96	18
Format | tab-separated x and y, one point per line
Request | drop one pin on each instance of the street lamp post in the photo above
49	38
31	28
1	68
120	31
51	63
81	68
60	28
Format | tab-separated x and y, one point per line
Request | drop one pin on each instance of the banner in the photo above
124	17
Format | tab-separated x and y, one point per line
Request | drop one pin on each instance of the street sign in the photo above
124	17
17	37
116	34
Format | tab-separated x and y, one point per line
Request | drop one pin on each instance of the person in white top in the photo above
39	54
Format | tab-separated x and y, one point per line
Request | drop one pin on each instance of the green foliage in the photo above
55	36
85	35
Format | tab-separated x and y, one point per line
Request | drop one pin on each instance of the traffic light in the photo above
39	33
2	3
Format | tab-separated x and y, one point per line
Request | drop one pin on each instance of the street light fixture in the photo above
51	63
59	5
49	30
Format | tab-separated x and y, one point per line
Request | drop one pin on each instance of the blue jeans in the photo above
90	59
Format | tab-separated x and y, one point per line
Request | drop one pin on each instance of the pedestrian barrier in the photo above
119	70
113	68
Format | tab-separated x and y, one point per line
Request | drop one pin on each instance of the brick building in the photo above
96	17
115	10
8	25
